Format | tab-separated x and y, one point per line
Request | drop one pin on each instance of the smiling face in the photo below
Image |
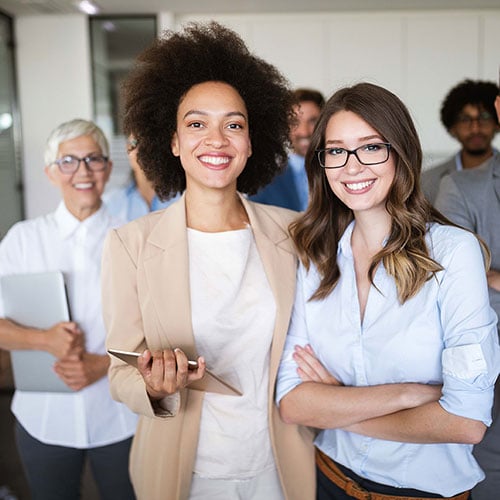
360	187
82	190
212	138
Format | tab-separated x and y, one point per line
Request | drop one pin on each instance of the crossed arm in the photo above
403	412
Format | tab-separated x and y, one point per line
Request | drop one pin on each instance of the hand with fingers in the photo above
310	369
64	339
79	371
166	372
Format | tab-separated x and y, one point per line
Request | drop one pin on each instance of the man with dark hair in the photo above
289	189
469	116
472	199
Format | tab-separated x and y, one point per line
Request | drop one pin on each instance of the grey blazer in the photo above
471	198
431	178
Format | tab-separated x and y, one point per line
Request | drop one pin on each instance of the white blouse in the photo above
233	313
58	241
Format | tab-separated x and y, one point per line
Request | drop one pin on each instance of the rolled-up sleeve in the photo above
471	354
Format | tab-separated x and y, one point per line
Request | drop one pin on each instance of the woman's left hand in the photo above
310	368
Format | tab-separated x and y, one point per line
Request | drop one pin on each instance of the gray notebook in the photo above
36	300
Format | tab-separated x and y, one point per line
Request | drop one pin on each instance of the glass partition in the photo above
115	43
11	204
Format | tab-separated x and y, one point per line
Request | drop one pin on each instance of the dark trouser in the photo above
487	453
55	472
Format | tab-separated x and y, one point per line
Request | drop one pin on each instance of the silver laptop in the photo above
36	300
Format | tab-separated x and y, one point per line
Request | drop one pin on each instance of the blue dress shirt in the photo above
446	334
128	204
288	189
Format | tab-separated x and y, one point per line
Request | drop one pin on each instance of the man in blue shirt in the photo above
290	189
138	198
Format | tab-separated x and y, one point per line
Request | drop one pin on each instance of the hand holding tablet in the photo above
209	383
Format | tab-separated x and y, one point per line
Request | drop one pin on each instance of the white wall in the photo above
54	82
417	55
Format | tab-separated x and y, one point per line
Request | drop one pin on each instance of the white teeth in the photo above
215	160
359	185
83	185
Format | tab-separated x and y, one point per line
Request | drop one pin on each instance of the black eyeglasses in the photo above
367	154
69	164
484	118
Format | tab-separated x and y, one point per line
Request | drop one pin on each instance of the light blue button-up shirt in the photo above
446	334
128	204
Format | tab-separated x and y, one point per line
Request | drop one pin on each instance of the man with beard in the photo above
472	200
469	116
289	189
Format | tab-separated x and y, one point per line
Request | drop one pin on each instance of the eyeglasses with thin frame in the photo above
367	154
484	118
69	164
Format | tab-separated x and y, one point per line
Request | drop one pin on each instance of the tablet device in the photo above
35	300
209	383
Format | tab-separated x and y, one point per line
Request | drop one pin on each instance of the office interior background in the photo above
57	63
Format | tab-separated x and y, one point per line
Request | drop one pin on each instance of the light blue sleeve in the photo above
471	355
288	378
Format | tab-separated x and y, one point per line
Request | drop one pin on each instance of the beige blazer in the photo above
146	302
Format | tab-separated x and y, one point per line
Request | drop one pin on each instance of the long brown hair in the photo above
318	231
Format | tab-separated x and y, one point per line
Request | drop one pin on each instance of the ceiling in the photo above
40	7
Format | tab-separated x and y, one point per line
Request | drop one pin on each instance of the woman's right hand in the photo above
166	372
64	339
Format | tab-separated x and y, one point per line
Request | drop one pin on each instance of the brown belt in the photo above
328	467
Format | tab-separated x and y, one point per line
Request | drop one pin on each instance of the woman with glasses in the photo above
210	279
392	350
57	432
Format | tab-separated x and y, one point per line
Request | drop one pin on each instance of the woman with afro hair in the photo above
210	279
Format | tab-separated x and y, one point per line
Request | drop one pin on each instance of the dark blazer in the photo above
281	192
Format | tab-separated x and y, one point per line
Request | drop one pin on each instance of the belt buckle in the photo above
355	490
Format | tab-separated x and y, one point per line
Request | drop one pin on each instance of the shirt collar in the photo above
458	158
296	162
68	224
345	241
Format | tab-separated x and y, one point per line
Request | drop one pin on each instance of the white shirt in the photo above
446	334
233	313
58	241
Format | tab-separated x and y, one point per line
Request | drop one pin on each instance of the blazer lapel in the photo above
278	258
166	267
496	174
